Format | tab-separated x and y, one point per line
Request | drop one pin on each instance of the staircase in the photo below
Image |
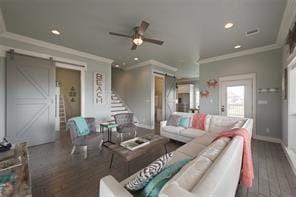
117	106
62	111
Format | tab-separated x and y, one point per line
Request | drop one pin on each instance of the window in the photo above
235	101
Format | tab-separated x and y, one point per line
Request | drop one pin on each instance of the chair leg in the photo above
85	151
101	141
135	133
73	149
121	137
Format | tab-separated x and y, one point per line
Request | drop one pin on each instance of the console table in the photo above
109	127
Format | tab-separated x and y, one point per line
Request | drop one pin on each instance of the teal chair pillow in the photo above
184	122
155	185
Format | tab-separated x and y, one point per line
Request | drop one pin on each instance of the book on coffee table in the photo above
135	143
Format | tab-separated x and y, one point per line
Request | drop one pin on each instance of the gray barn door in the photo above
170	96
30	100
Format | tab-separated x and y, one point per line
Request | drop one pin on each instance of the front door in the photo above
237	98
30	100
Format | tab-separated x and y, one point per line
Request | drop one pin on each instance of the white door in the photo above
237	98
30	100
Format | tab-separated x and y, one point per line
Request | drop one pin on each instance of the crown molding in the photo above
240	53
4	49
287	20
2	23
151	62
55	47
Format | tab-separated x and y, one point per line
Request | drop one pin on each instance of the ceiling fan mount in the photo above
138	36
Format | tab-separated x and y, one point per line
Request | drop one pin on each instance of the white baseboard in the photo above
267	139
144	126
291	156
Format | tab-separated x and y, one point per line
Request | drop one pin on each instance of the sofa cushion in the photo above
177	156
146	174
199	121
192	133
172	129
155	185
214	149
222	123
173	120
191	149
189	177
206	139
184	122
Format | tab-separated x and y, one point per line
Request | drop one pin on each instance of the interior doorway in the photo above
68	95
159	99
237	96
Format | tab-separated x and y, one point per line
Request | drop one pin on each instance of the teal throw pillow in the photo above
184	122
155	185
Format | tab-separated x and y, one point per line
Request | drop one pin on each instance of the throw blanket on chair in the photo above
199	121
81	125
247	163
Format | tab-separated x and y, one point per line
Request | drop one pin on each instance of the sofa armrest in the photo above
249	126
163	123
110	187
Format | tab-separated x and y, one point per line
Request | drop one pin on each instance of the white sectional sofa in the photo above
214	169
214	124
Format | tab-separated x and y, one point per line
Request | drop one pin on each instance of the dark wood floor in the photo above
56	173
273	174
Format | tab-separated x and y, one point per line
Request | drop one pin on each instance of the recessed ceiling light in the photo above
116	65
237	46
228	25
136	59
55	32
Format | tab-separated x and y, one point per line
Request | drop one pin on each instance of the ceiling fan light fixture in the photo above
138	41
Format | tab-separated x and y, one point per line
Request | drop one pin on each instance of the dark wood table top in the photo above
128	155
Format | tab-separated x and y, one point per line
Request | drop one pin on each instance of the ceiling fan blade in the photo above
134	46
144	25
159	42
122	35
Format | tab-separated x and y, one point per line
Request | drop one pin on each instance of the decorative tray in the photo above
135	143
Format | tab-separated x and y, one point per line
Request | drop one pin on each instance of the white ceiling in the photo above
191	29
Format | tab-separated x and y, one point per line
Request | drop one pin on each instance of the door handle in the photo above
222	108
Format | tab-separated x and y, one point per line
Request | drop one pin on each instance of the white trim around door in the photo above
249	76
154	74
82	70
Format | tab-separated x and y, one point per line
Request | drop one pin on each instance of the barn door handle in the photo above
222	108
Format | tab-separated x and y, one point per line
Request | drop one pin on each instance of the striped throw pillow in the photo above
146	174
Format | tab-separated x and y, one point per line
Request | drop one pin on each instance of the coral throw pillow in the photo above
199	121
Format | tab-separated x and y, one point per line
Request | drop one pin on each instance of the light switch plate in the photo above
262	102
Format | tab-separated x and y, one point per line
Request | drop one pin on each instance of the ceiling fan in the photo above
138	36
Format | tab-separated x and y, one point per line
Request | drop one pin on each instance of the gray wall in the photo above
134	88
101	112
267	66
2	98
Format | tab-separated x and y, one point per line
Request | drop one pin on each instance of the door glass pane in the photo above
236	101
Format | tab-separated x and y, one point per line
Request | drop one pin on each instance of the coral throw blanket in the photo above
199	121
247	167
